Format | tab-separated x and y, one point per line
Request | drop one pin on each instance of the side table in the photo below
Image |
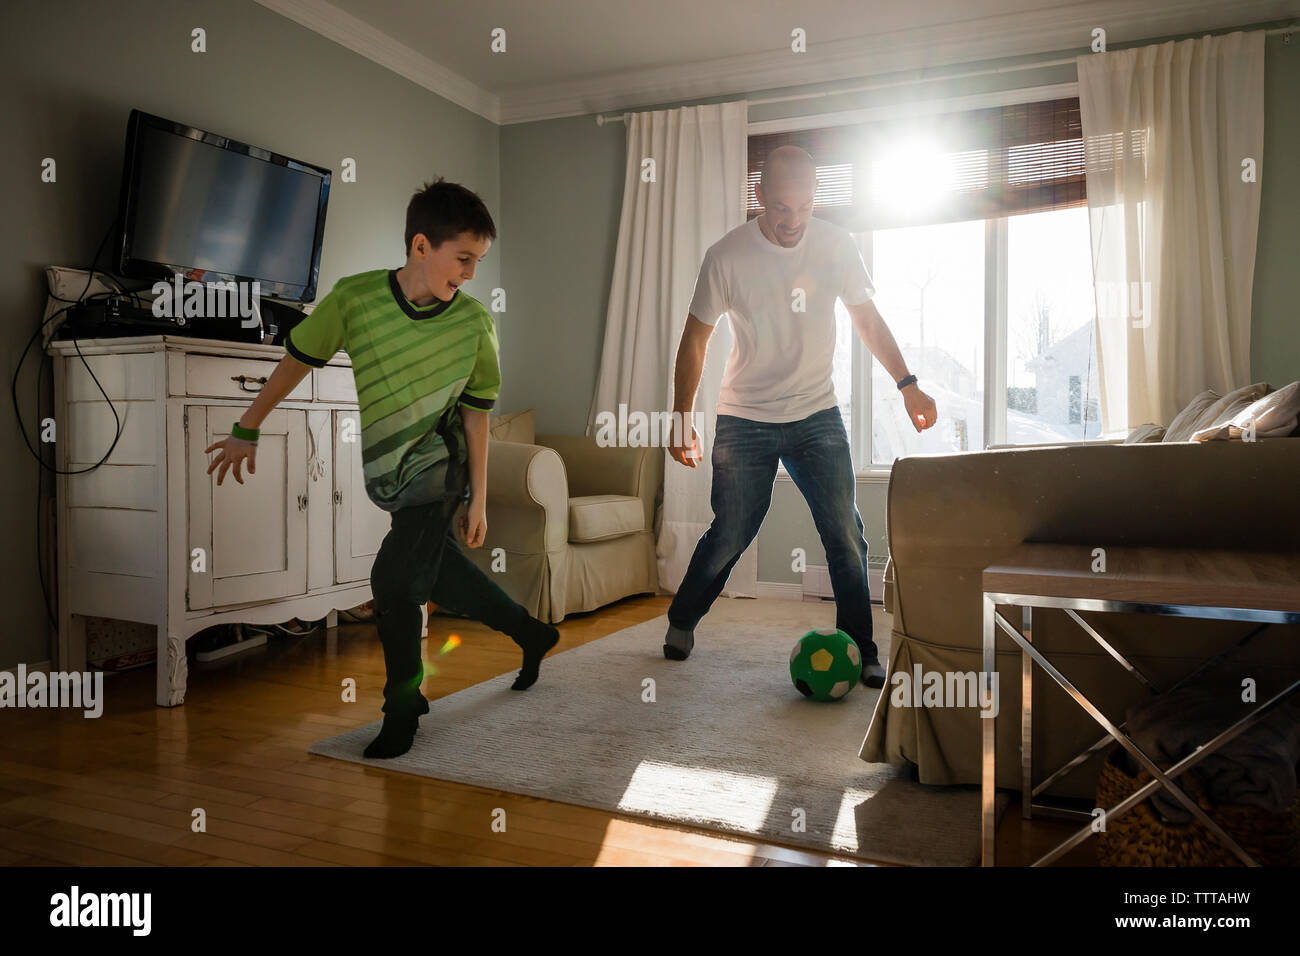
1262	587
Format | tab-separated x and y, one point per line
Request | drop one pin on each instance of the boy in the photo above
424	357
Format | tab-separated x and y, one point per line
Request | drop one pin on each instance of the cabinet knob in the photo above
302	502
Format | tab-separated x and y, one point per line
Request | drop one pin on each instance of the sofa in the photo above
571	525
950	516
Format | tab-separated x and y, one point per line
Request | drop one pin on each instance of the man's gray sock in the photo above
873	675
678	643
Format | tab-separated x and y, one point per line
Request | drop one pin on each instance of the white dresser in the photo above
150	537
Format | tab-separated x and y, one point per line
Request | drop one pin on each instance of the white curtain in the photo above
1173	147
697	194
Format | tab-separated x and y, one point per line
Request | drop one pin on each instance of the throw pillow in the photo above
1222	411
1180	428
1275	415
1145	433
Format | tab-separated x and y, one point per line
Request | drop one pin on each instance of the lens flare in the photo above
453	642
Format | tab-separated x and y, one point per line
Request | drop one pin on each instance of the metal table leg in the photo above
1027	717
1126	742
1185	764
1104	740
988	734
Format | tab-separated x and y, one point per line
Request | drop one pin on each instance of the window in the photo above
974	227
930	287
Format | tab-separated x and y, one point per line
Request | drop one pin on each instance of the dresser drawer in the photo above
215	377
334	383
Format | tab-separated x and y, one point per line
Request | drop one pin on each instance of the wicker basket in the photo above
1140	838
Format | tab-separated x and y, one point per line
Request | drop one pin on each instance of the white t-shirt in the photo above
779	369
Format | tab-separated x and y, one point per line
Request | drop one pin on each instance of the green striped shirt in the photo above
414	368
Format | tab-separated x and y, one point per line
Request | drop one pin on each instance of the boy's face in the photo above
445	268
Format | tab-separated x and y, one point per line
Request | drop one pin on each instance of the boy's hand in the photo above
233	451
473	523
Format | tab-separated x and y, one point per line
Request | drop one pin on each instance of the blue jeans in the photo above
815	451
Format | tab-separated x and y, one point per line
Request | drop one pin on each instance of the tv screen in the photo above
214	209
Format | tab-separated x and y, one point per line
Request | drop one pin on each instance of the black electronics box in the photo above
278	320
116	316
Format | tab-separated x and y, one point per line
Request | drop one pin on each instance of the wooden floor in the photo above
120	790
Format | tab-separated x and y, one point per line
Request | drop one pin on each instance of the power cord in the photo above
13	392
13	389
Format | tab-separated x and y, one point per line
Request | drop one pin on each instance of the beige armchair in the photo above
575	523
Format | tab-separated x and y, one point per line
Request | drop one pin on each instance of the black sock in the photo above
395	737
539	638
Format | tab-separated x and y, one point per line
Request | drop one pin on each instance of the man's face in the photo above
788	205
451	264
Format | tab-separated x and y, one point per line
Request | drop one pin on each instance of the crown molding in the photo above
919	48
361	38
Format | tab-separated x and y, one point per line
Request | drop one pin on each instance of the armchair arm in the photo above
593	470
887	597
528	496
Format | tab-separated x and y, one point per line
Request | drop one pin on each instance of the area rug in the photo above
722	741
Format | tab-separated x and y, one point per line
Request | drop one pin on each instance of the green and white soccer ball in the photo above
825	664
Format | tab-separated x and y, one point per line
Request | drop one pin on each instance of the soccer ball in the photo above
825	664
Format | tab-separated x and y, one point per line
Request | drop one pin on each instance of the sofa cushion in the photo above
599	517
517	426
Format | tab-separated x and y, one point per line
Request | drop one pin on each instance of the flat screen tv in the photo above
213	209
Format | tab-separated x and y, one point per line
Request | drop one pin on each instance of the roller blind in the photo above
950	167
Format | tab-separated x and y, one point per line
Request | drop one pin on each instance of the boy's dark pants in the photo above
418	561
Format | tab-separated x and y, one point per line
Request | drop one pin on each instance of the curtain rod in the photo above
601	119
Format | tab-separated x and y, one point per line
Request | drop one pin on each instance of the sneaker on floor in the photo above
873	675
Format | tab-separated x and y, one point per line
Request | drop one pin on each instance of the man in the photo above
777	277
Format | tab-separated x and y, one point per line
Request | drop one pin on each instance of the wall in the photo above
562	195
1275	331
72	72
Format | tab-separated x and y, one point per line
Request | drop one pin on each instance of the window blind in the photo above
950	167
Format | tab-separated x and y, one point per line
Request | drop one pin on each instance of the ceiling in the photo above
551	41
573	57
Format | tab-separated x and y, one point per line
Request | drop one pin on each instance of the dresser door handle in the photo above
243	381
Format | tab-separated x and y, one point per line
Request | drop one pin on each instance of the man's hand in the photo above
473	523
921	411
685	451
233	451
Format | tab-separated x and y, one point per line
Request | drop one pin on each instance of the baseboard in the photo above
784	592
817	583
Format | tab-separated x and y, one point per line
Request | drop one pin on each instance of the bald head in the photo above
786	191
788	164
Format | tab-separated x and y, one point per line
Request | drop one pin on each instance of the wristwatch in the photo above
903	383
